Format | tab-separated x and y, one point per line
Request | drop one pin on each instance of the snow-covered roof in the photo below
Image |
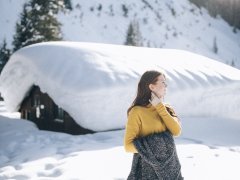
96	83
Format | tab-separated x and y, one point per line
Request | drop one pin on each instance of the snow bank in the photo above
96	83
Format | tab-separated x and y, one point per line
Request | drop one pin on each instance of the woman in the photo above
149	130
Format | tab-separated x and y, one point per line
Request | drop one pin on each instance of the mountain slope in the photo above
163	24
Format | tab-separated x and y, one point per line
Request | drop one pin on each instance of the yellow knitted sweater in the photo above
147	120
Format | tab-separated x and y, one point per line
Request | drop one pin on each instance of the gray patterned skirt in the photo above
156	158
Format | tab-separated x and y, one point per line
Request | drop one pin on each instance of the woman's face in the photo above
160	87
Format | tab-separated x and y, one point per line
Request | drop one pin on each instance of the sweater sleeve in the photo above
132	131
172	122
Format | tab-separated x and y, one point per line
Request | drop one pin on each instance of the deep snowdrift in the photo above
96	83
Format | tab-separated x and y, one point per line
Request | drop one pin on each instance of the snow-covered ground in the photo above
209	149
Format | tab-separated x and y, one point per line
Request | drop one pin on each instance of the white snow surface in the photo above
209	149
96	83
163	24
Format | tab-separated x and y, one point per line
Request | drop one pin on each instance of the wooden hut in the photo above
39	108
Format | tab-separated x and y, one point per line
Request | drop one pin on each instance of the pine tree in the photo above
233	63
68	4
215	48
134	37
4	54
38	23
45	24
24	30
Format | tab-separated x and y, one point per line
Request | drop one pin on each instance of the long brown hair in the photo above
143	91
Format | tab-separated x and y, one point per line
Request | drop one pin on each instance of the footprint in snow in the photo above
20	177
55	173
49	166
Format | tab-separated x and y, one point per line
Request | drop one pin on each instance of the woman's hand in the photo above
155	100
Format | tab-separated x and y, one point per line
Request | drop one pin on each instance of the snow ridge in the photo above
80	75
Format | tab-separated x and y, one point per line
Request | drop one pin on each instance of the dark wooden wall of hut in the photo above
39	108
